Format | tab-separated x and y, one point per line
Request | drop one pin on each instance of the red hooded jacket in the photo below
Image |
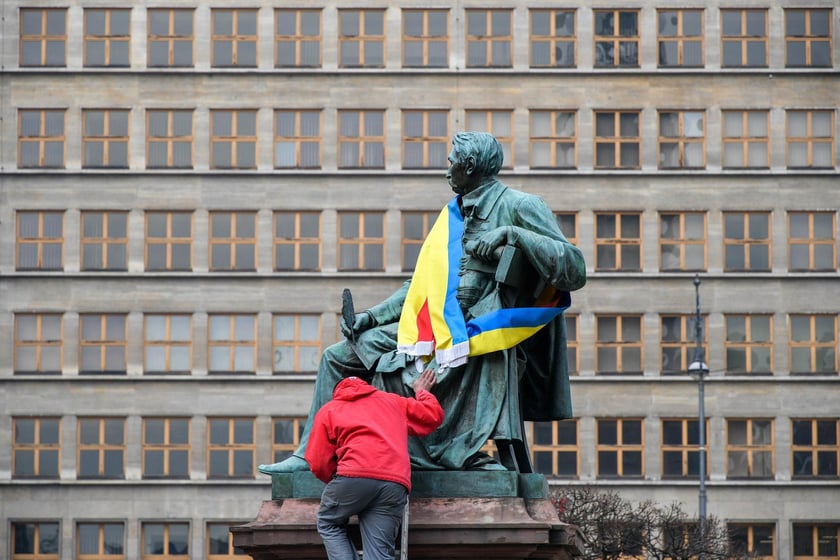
363	432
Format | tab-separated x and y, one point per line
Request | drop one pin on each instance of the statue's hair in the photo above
487	151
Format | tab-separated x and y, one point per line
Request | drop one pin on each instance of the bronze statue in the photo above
491	394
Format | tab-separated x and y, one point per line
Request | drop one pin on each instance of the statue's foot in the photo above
288	465
494	466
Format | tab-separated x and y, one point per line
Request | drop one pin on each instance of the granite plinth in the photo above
463	514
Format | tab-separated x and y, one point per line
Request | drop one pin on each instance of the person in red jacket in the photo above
359	447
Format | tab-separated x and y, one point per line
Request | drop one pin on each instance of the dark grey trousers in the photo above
379	505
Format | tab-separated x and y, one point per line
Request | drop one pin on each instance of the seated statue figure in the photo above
499	361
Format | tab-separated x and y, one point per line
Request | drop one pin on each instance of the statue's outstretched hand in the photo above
485	246
426	380
361	322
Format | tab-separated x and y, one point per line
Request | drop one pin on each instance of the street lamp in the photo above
699	368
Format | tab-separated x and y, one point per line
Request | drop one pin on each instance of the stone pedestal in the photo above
452	514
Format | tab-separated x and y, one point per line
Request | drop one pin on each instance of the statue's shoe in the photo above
288	465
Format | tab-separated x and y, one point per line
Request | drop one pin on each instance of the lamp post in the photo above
699	368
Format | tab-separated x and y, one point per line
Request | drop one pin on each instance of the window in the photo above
233	343
682	241
233	139
810	139
749	448
107	37
616	38
43	37
415	228
618	344
361	38
489	39
753	540
361	139
572	344
41	138
286	436
38	540
105	140
297	139
813	343
231	448
682	140
170	38
553	140
166	541
568	225
361	241
816	447
620	448
425	38
297	38
167	344
168	241
169	139
297	343
554	448
680	448
234	38
233	241
100	541
101	448
553	38
102	343
618	241
166	448
816	541
680	38
36	450
746	241
38	339
220	544
746	142
40	240
811	241
425	139
617	140
297	241
104	239
744	38
497	123
679	342
749	344
807	37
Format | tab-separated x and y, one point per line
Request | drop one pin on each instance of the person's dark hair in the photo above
487	151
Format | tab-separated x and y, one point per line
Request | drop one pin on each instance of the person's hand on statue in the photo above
426	381
485	247
361	322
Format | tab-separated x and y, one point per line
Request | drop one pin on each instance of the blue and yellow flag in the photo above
432	321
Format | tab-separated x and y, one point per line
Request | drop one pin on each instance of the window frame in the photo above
680	38
101	554
170	139
234	139
746	139
813	242
169	241
37	447
751	538
552	38
426	139
280	450
298	39
554	139
681	140
232	448
166	540
556	449
108	38
808	39
101	447
36	533
493	121
687	343
166	447
751	449
572	328
232	344
362	242
38	343
42	241
296	343
818	532
618	241
616	39
815	449
686	448
300	138
619	448
748	344
167	344
813	344
232	553
683	242
103	343
234	241
235	38
426	38
810	140
361	139
489	39
106	139
105	241
172	38
747	243
619	346
298	241
743	39
618	140
362	38
44	38
42	139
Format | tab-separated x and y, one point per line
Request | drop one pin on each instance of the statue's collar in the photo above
480	201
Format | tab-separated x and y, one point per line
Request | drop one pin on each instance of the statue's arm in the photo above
389	310
536	233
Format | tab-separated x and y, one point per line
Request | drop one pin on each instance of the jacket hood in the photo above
352	388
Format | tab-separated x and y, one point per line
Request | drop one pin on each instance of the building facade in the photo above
187	186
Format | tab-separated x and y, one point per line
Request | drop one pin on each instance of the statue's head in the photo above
482	146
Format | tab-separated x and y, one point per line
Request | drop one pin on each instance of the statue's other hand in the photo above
361	322
485	246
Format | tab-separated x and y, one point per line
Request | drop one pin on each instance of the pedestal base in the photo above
520	523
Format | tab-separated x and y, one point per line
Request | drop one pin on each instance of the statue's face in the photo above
459	174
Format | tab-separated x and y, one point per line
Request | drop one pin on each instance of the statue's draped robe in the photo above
489	396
